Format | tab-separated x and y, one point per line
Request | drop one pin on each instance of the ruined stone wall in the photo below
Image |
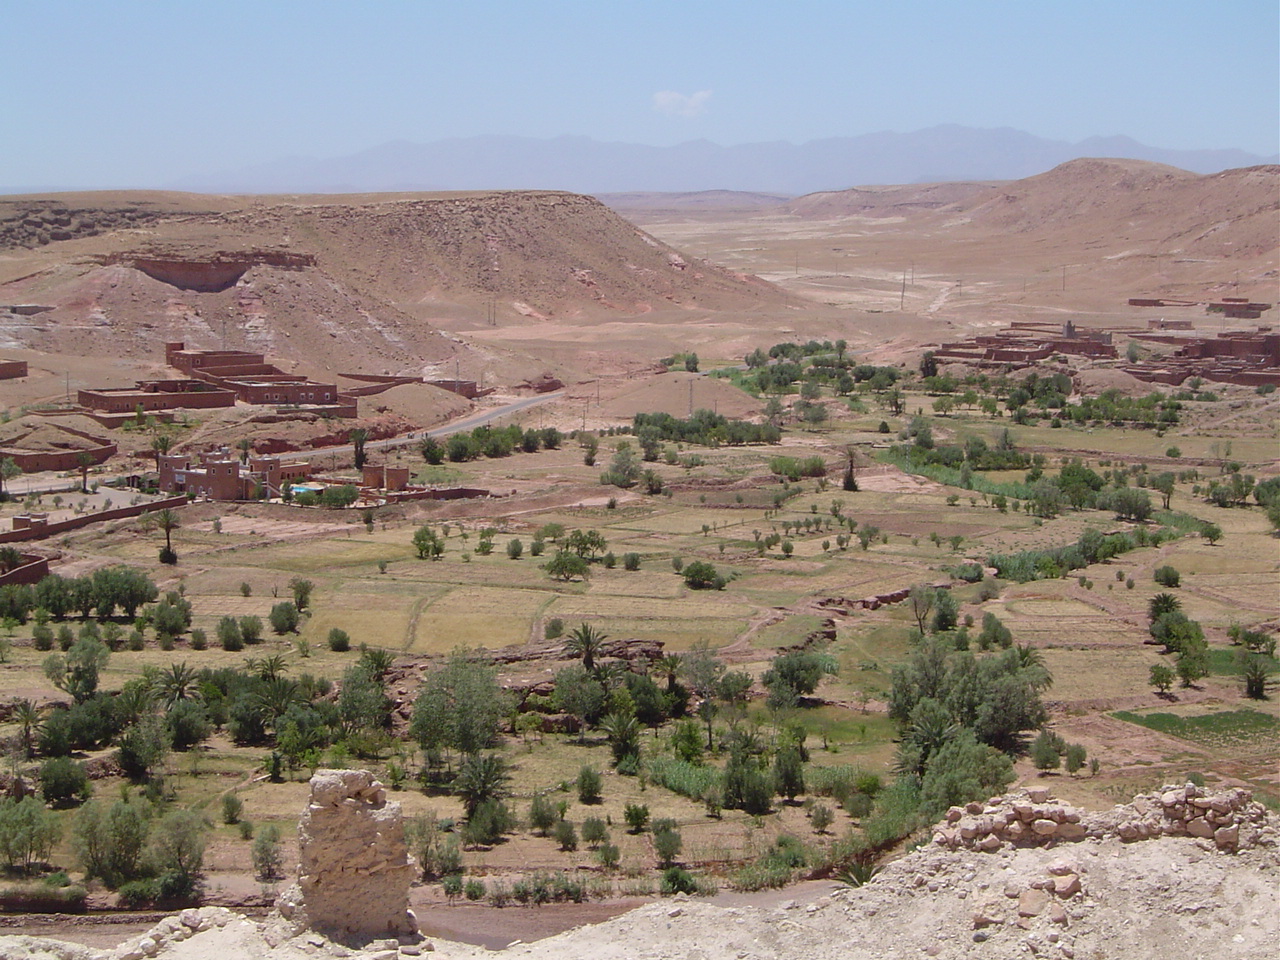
1228	820
354	871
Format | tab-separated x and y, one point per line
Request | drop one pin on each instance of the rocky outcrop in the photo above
355	870
206	273
1229	820
847	607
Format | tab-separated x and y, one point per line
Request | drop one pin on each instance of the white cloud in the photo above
680	104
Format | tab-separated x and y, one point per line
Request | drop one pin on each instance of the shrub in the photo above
138	893
339	640
232	807
199	640
1167	576
677	880
588	785
251	629
701	575
486	825
667	844
229	635
631	561
42	636
821	817
1046	751
542	815
566	836
555	628
609	855
43	897
266	853
63	781
473	890
637	816
284	617
514	549
594	831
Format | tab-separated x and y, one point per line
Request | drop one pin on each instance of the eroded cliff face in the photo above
207	273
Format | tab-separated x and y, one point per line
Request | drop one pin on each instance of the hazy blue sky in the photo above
130	93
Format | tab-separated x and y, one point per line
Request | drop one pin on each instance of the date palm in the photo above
275	698
176	683
1032	663
30	721
623	731
670	665
161	443
1161	604
586	642
167	520
481	777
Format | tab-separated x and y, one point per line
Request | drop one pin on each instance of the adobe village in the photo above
883	572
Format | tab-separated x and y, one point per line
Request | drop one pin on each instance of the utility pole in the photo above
1064	276
902	299
691	398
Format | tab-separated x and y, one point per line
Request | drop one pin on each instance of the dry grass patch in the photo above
476	617
1100	674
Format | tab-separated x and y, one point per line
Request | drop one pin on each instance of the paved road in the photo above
469	422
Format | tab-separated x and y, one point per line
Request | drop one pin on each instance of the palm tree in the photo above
1161	604
481	777
30	721
167	520
670	665
359	437
268	668
623	731
276	697
929	731
136	698
84	461
1031	661
176	683
160	445
585	642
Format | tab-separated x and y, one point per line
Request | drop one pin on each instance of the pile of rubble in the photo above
1229	819
175	929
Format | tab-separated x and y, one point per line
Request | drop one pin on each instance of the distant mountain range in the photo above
583	165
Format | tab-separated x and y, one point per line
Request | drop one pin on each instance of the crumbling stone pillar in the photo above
355	870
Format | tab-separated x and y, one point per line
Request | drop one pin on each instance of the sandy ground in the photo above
1141	901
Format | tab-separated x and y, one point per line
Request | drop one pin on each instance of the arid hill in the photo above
1232	213
335	283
